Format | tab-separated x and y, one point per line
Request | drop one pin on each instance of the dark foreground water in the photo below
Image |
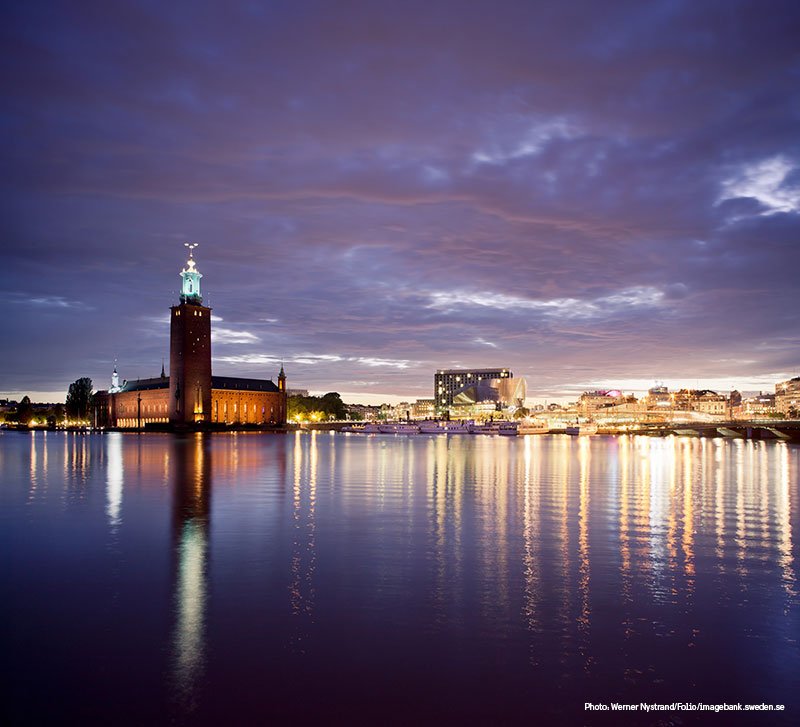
351	579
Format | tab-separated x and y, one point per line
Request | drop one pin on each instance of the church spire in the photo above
163	375
282	379
190	279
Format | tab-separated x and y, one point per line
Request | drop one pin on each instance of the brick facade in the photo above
190	364
248	407
140	407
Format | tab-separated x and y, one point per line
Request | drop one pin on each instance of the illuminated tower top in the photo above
190	279
114	379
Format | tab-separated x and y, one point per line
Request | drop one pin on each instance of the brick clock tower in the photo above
190	352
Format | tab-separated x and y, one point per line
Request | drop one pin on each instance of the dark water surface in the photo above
319	578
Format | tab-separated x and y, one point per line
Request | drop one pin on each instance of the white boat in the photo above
508	429
579	429
371	428
444	427
533	426
485	428
430	426
398	428
456	427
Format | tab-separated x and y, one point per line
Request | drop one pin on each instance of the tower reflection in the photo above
303	561
190	465
115	476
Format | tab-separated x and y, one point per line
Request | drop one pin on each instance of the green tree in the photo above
333	406
79	399
329	406
24	410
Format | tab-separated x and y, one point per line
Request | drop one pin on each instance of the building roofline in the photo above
472	371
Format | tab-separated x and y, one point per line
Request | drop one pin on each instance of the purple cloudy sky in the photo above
592	193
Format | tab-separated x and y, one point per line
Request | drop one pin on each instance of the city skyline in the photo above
590	196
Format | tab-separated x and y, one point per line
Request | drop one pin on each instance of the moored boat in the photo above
444	427
398	428
485	428
581	429
533	426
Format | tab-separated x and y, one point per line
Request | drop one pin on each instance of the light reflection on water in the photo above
462	576
115	476
192	483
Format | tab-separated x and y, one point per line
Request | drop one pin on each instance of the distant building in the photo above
658	398
191	396
487	396
447	382
756	407
701	400
423	409
296	392
710	402
593	400
659	401
401	411
364	412
787	397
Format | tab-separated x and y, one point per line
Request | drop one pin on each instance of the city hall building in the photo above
191	396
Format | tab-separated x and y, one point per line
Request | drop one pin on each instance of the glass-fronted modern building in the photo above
448	382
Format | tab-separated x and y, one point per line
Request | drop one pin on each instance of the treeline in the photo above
78	406
25	412
329	406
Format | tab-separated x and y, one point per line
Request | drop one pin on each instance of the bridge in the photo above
761	429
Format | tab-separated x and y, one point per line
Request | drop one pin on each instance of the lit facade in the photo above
602	399
423	409
755	407
489	396
787	397
701	400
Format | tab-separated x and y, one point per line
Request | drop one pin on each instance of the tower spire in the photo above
282	379
190	278
115	378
